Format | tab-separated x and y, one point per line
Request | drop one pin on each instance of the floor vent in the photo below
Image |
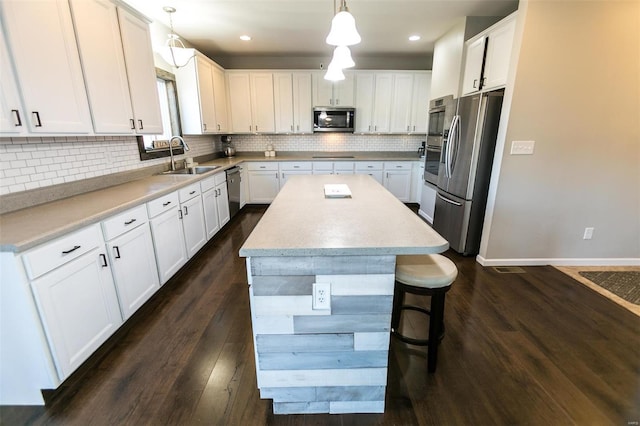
509	270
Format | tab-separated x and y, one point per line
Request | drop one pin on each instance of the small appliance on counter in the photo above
228	149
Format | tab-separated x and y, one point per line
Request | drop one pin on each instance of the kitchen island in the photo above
330	356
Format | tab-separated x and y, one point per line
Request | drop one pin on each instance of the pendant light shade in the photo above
174	52
334	73
342	58
343	29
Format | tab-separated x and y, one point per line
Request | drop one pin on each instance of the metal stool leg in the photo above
436	323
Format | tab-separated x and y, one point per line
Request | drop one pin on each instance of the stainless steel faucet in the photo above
184	145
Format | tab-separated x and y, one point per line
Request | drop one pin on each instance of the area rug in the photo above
621	284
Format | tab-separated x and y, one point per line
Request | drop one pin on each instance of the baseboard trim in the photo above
560	262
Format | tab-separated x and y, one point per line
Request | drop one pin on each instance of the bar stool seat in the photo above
427	275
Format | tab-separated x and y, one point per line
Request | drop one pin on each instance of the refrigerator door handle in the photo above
446	200
453	136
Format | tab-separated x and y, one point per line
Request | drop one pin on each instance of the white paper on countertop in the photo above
337	190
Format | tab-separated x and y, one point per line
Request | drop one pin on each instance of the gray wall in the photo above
576	94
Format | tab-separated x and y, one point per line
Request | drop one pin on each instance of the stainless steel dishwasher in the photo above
233	188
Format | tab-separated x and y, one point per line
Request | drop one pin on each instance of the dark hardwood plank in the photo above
531	348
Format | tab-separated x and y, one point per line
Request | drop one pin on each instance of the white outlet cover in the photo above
321	296
522	147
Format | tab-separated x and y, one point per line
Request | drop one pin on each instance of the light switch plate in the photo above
522	147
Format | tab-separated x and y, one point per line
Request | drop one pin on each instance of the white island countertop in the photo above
302	222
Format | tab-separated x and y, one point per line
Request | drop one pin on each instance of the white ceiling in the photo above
299	27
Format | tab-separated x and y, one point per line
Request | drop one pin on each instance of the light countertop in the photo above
23	229
302	222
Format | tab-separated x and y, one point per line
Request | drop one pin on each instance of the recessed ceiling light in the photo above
414	38
245	38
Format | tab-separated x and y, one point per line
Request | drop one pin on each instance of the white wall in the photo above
577	95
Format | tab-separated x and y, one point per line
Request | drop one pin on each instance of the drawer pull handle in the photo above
71	250
36	115
140	125
117	250
166	204
17	115
129	222
133	124
104	260
192	192
186	211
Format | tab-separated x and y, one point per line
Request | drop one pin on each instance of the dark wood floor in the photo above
534	348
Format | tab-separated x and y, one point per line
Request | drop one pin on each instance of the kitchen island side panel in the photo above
322	361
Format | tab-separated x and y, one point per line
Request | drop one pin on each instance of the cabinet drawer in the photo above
368	165
325	166
162	204
397	165
124	222
220	178
188	192
51	255
296	165
343	166
263	166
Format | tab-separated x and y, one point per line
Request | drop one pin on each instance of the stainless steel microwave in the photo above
328	119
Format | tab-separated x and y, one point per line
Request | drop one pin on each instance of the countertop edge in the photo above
360	251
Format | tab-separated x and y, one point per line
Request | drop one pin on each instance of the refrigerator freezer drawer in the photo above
451	219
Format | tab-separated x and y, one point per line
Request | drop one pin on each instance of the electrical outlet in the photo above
588	234
321	296
522	147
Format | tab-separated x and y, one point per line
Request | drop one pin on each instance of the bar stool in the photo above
425	275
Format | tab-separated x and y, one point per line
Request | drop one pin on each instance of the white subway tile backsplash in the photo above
28	163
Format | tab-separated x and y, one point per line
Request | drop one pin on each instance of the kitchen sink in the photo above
198	170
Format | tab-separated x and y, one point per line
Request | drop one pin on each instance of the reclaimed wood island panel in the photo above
328	360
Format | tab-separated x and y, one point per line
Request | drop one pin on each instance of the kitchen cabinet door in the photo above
364	89
100	46
136	43
343	91
474	56
238	86
337	94
195	234
134	268
402	99
41	33
244	186
398	182
210	206
262	108
12	114
263	186
79	309
382	102
168	243
420	102
302	105
220	99
498	54
222	202
283	102
286	174
205	92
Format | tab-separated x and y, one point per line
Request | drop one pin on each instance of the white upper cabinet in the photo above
337	94
100	46
499	54
292	100
474	58
202	97
11	112
43	47
401	103
447	62
251	102
487	57
374	92
138	57
364	90
420	102
382	102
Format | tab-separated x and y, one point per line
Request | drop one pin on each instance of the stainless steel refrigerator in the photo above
465	171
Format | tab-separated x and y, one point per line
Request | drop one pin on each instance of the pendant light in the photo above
343	28
342	58
174	52
334	73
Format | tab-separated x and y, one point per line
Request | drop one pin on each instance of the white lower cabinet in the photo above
168	235
244	185
215	202
371	168
293	168
397	179
264	182
192	216
134	268
76	297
